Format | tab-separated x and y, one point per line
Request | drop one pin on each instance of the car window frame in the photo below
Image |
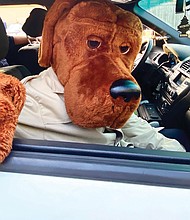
99	162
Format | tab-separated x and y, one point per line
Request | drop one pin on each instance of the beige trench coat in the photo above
44	117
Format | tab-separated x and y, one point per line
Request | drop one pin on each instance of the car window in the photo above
14	17
148	33
165	10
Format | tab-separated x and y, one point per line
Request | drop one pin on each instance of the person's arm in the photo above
22	39
143	135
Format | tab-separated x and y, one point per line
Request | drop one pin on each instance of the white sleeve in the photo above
143	135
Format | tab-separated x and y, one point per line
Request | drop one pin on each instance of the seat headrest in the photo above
34	23
4	42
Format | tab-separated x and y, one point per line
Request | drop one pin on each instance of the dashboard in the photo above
166	83
174	89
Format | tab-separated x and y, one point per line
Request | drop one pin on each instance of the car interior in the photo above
43	179
162	70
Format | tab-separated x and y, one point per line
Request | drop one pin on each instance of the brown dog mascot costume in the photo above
91	46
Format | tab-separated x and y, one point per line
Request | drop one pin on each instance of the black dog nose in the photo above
126	89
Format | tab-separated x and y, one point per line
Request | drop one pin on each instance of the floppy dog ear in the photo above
58	9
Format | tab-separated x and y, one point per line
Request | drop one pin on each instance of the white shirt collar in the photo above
55	84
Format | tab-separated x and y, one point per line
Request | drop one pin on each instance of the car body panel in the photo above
43	197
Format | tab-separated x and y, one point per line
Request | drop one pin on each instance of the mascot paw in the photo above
12	97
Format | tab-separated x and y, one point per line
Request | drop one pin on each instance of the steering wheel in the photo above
146	48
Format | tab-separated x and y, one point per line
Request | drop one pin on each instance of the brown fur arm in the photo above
12	97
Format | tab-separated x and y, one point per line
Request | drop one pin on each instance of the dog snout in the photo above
126	89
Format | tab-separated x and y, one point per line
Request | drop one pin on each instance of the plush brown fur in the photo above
86	70
88	73
12	97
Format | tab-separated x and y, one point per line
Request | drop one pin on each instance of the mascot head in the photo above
91	45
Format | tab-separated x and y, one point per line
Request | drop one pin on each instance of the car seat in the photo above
18	71
34	23
4	43
28	55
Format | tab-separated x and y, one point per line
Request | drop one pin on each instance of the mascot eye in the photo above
93	44
124	49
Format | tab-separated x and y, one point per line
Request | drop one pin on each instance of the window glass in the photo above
165	10
14	17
